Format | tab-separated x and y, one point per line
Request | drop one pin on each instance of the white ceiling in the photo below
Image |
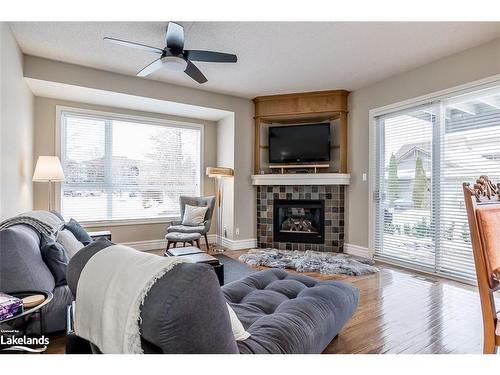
273	57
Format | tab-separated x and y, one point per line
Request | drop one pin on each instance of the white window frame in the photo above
420	100
132	118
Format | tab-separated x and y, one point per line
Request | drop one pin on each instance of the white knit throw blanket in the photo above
110	293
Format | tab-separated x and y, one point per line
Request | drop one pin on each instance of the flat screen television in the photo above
299	143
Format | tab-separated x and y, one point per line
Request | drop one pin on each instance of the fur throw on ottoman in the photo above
310	261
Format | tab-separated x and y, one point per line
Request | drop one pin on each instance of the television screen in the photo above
299	143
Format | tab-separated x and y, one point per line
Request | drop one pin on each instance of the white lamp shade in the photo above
48	168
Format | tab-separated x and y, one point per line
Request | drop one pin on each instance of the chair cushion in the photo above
180	237
290	313
489	221
186	229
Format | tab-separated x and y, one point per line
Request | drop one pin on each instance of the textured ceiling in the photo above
273	57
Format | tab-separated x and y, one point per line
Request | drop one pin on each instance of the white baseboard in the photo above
147	245
356	250
226	242
249	243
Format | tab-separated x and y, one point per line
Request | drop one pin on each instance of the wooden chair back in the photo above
482	202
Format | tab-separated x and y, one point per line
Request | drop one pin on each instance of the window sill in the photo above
119	223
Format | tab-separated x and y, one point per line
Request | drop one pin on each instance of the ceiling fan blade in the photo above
151	68
175	37
210	56
133	45
195	73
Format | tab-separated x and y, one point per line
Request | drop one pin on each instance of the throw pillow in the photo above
69	242
194	215
80	234
239	332
55	257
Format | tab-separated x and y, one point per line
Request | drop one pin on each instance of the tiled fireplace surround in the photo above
333	195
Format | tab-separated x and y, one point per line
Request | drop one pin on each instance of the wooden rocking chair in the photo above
482	202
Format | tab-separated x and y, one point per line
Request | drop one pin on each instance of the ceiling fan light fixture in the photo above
174	57
174	63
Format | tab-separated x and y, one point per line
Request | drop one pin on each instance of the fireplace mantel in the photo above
301	179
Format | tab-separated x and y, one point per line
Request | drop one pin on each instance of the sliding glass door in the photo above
423	154
404	175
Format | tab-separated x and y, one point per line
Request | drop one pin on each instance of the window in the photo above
126	168
423	154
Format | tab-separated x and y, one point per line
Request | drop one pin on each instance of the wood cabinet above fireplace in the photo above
301	108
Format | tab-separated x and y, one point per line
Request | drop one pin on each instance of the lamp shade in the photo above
219	172
48	168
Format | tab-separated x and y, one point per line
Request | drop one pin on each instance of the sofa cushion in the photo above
21	264
55	257
80	234
54	314
68	240
290	313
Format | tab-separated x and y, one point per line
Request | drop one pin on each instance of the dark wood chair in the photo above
482	202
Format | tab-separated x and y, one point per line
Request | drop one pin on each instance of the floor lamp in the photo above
48	169
218	173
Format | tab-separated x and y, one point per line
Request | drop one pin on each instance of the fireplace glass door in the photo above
301	221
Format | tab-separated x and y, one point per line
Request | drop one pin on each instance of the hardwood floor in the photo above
400	311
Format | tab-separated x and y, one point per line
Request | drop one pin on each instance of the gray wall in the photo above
16	133
470	65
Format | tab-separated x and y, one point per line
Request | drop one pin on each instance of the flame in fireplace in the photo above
298	224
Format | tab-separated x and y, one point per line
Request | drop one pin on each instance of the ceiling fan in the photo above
174	56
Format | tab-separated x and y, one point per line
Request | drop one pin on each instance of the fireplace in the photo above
299	221
333	210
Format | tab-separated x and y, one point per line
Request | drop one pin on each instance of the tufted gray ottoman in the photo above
289	313
175	237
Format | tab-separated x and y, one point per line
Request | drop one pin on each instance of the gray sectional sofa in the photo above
185	311
23	269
